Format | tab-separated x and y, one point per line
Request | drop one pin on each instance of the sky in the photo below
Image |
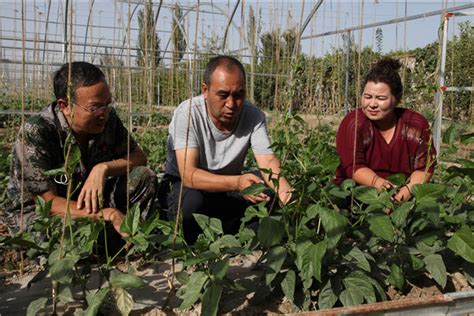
109	21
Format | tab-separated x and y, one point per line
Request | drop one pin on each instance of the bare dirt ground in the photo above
157	298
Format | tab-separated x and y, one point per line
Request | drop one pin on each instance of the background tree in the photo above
148	53
177	35
379	40
253	32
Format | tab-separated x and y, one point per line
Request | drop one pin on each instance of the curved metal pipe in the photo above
87	29
195	6
228	25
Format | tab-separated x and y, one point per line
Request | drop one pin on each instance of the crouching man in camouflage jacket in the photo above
104	144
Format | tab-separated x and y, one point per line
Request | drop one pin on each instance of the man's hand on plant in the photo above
115	217
92	190
247	180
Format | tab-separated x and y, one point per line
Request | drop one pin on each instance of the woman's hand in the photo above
404	194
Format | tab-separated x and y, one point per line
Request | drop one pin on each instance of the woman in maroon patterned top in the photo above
387	139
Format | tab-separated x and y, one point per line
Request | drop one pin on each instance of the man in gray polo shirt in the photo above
209	136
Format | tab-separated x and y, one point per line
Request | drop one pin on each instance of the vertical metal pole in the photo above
66	10
439	94
346	83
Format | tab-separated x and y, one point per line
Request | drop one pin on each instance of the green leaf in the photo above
275	259
396	277
351	297
429	210
43	208
435	266
361	283
202	220
334	225
54	172
317	252
428	192
182	277
450	135
220	268
36	306
125	280
193	289
288	285
467	138
254	189
270	232
124	301
381	226
338	192
398	179
95	301
348	184
226	241
367	195
327	298
63	270
204	256
462	243
360	257
20	241
303	262
416	263
132	219
215	225
400	214
210	300
65	295
74	158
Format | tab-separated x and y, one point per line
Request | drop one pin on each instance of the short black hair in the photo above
222	60
83	74
386	71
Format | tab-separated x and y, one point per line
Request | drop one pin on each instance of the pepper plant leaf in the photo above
351	297
36	306
381	226
436	267
254	189
398	179
396	277
95	300
400	215
270	232
125	280
359	282
62	270
193	289
428	192
275	259
124	301
303	261
220	268
361	258
288	285
327	298
317	252
334	225
210	300
462	243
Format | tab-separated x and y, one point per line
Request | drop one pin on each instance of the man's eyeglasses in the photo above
94	109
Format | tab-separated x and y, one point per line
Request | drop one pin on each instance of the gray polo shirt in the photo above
219	153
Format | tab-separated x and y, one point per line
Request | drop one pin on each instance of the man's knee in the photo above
142	174
193	202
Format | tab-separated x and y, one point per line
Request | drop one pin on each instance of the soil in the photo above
157	298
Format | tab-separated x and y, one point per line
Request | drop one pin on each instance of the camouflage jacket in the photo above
44	136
